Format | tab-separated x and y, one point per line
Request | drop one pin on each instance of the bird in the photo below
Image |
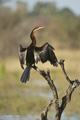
32	54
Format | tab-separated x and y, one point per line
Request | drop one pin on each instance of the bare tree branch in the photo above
62	66
65	99
54	91
45	112
72	85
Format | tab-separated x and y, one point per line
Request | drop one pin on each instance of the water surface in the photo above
34	117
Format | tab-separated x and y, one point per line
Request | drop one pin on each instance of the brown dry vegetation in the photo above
62	28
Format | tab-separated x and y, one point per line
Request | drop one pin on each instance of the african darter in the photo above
32	54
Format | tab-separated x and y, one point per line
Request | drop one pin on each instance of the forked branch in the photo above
54	91
65	99
72	85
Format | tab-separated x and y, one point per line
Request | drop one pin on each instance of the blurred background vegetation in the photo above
62	27
62	30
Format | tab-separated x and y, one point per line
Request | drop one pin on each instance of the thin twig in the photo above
61	62
44	113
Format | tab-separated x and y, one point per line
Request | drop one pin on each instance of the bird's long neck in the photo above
33	39
32	35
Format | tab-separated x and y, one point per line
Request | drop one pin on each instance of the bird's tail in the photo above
26	75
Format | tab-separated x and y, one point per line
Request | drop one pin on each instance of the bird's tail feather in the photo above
26	74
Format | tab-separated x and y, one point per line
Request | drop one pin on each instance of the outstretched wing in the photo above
45	53
22	56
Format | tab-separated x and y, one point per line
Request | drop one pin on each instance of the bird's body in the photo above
30	56
33	54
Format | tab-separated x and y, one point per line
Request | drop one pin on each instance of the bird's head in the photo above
37	28
34	30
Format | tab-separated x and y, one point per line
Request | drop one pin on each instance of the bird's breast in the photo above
30	57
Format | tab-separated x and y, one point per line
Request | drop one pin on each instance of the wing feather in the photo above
22	58
45	54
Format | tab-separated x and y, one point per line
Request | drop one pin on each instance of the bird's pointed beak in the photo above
38	28
34	30
41	27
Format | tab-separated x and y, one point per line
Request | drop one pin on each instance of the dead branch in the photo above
54	91
72	85
62	66
44	113
65	99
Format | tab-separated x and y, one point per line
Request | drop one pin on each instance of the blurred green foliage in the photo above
2	71
62	27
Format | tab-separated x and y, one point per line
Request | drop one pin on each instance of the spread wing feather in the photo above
45	53
22	58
